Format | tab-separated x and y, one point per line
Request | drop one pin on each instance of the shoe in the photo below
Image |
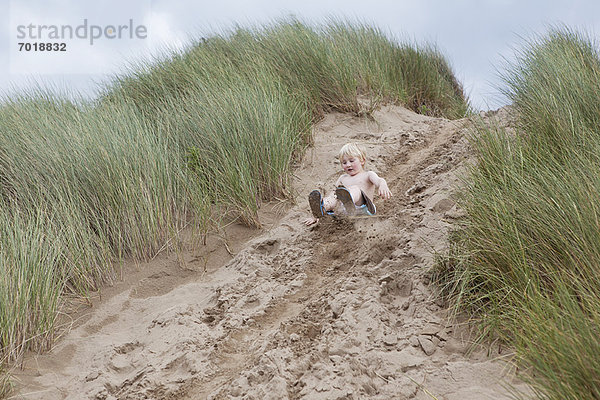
369	203
345	197
316	203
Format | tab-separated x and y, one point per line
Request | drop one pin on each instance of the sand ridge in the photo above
341	310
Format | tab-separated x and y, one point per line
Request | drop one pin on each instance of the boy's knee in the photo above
329	202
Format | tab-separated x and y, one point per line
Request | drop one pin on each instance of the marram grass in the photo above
197	138
526	259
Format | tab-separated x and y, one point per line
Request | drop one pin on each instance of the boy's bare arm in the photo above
381	185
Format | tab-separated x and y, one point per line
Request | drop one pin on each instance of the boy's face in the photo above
352	165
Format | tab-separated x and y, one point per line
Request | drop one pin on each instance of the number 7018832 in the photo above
42	46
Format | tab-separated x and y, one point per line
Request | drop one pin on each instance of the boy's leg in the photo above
320	206
330	202
355	201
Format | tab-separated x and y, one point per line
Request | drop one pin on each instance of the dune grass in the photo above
200	137
526	259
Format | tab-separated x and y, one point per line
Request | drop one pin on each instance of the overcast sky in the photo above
474	35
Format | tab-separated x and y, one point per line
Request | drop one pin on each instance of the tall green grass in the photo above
200	137
526	259
81	188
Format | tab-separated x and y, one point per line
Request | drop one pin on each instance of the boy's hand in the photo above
311	221
384	191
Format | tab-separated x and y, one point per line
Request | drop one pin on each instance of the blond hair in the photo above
352	150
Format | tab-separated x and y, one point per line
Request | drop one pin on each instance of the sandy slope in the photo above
338	311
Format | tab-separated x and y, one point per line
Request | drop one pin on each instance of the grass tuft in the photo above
526	258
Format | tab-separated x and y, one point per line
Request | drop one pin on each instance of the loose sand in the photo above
341	310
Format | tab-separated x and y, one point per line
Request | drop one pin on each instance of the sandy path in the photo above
338	311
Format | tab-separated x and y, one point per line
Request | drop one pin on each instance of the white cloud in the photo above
164	31
473	34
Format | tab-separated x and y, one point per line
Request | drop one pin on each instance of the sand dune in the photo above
341	310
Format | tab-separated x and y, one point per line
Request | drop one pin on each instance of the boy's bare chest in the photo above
361	180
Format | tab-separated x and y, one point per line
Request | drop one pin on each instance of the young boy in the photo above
354	189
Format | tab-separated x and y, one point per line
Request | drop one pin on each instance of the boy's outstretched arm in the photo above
381	185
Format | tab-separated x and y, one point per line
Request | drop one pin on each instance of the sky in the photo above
93	41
